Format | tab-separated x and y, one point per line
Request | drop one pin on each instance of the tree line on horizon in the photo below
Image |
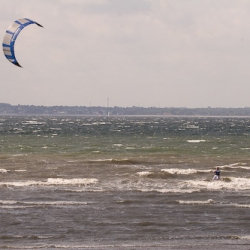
8	109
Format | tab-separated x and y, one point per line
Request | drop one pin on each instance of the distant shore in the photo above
8	109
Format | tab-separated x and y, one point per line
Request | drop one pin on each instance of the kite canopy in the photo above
11	35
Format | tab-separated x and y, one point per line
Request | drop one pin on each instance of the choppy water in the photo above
124	183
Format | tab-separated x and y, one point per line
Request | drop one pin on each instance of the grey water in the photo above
124	183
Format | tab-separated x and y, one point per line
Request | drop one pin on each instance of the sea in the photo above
105	182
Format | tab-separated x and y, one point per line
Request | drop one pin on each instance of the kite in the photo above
11	35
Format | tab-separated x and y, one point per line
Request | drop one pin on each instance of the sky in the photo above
147	53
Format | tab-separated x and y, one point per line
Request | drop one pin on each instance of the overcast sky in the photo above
149	53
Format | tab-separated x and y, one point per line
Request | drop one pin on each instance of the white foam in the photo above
2	170
233	184
52	182
235	166
144	173
7	202
168	190
18	155
82	190
117	145
102	160
15	207
240	205
34	122
184	171
209	201
195	141
11	204
75	181
245	237
230	165
177	190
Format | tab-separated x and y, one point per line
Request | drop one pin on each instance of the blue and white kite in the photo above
11	35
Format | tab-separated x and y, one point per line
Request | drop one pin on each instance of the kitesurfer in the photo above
216	174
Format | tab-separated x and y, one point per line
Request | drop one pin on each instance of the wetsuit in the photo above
217	172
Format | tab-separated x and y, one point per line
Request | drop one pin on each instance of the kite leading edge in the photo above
11	35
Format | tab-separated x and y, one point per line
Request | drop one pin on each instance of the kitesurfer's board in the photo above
215	178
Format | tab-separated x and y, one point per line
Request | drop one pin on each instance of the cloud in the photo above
117	7
172	52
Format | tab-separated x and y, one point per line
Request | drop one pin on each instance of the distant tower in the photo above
108	106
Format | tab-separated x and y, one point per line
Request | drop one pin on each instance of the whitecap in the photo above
240	205
235	165
245	237
8	202
233	184
15	207
209	201
179	171
144	173
34	122
52	182
168	190
75	181
195	141
3	170
53	203
184	171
